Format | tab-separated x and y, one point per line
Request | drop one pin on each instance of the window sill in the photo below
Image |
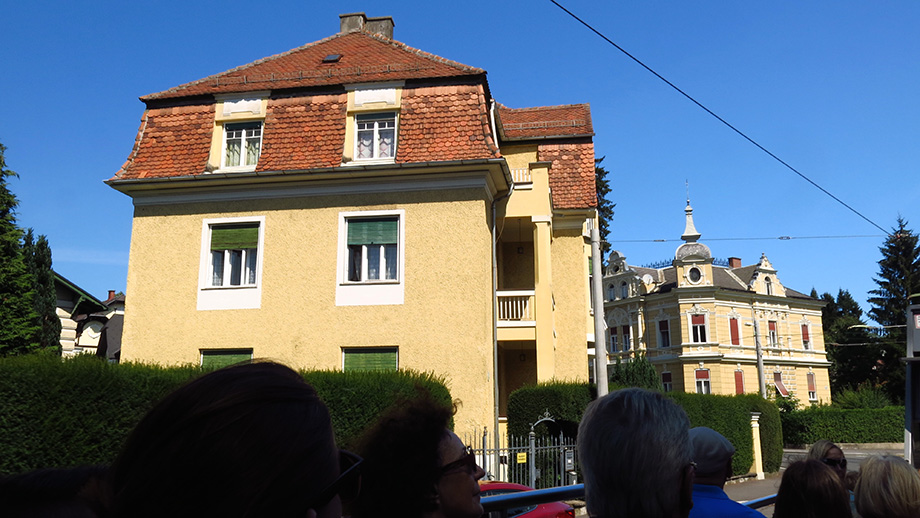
240	169
369	161
369	283
220	288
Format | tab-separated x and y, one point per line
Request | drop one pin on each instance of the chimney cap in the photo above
352	22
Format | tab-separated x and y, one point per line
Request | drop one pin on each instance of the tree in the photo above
637	372
604	206
17	318
38	260
852	351
898	278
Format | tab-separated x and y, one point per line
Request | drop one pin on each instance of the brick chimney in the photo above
111	295
353	22
734	262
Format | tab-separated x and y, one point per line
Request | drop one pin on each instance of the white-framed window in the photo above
231	263
664	333
370	359
768	285
375	136
371	263
373	249
734	331
698	328
627	337
242	145
612	346
666	384
806	339
739	381
772	336
703	385
624	290
812	387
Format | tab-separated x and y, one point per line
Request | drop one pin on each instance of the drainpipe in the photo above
497	443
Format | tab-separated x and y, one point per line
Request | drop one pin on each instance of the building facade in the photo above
701	323
356	203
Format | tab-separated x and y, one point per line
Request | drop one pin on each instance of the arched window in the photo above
624	290
768	285
611	292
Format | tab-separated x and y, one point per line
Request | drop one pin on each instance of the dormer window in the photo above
242	145
376	136
768	285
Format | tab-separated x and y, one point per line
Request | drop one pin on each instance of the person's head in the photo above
712	453
53	493
415	466
810	489
634	449
244	441
888	487
830	454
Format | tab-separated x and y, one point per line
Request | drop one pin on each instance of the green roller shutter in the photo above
234	237
218	359
370	359
377	231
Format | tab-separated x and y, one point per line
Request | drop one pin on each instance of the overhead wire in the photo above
780	238
720	119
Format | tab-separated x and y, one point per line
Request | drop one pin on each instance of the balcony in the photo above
516	308
522	178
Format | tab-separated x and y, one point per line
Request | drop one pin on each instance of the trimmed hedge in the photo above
862	425
728	415
79	411
566	402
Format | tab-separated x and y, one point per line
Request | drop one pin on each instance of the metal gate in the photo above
541	463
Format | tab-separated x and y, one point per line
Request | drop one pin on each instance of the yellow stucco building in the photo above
356	203
701	323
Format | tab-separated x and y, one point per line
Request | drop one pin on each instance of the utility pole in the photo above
760	375
600	342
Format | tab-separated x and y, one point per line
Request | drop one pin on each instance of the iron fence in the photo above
538	462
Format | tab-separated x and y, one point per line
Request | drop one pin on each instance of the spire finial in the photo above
690	233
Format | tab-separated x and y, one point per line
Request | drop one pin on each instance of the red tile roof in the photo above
571	177
365	58
303	133
172	141
444	123
545	121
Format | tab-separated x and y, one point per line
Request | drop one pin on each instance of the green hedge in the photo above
566	402
862	425
728	415
56	413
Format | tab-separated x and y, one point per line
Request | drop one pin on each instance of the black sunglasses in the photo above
835	462
347	485
467	462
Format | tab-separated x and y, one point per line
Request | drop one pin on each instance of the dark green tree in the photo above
18	321
37	255
604	205
851	350
636	372
898	278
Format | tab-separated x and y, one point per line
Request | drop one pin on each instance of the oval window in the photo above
695	274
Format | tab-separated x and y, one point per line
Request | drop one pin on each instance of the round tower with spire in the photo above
692	260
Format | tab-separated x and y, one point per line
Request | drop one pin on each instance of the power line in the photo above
780	238
720	119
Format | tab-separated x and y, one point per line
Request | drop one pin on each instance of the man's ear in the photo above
686	490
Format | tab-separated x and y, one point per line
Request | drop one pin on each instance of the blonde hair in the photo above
820	449
888	487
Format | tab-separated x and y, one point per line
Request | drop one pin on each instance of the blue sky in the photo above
828	86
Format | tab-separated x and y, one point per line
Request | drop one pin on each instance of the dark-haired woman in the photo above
415	467
811	489
251	440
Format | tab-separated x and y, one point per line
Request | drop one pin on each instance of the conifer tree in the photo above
18	321
851	350
898	278
604	206
37	254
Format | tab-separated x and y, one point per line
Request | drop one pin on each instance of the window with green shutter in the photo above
215	359
369	359
373	249
234	254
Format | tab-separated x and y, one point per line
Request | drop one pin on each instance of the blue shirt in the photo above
712	502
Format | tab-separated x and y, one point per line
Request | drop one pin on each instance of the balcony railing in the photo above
516	307
522	177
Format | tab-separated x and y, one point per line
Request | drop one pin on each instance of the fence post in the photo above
532	461
758	454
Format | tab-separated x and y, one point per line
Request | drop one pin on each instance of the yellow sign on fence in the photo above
522	458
